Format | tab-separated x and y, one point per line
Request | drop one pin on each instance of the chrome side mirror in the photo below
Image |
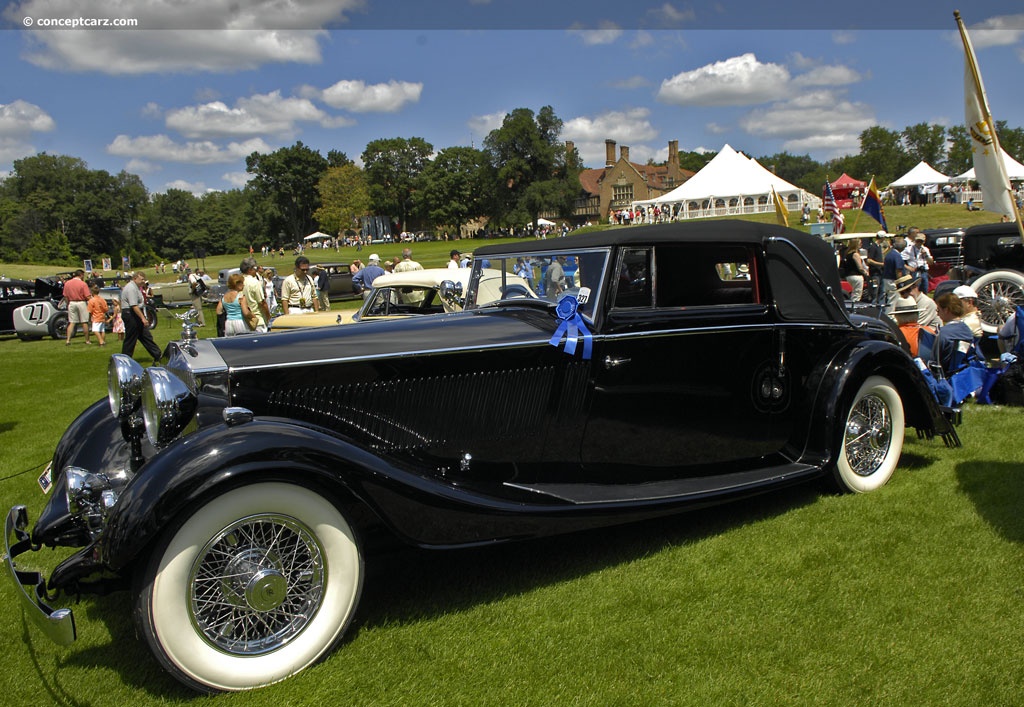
451	293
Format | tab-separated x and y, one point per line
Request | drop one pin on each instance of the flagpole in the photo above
983	101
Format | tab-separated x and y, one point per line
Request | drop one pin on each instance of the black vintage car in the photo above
665	368
991	258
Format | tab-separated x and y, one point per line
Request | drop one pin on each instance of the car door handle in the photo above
611	362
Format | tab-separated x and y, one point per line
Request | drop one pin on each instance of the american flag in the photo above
829	206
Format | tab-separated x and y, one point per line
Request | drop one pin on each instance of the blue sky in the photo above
199	84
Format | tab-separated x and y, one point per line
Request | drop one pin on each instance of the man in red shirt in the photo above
76	294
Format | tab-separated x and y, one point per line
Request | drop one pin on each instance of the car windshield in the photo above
399	300
546	275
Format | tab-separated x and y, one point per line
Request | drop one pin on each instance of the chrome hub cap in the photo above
257	584
868	435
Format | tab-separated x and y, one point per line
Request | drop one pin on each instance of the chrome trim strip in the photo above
57	624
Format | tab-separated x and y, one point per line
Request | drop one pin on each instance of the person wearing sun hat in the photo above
905	315
972	317
927	312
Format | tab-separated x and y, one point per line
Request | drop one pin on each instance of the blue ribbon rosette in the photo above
572	327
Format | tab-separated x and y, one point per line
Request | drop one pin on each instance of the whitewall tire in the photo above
1000	292
257	584
872	437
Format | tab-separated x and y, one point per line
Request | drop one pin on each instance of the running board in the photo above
672	489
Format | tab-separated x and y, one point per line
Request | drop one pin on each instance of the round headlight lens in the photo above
124	385
168	406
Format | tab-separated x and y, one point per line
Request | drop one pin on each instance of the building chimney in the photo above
609	153
673	152
624	153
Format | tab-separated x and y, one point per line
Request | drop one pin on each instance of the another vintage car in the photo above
241	485
44	314
175	294
340	277
412	293
31	309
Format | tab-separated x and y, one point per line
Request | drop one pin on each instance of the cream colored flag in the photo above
781	212
988	163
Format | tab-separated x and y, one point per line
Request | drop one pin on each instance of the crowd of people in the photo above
892	272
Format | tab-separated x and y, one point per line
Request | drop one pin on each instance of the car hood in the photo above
477	329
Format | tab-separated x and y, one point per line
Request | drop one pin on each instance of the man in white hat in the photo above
972	318
927	312
906	318
917	257
365	277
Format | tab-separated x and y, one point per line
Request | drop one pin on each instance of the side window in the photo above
634	279
706	275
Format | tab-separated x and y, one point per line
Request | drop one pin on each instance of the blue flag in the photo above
872	205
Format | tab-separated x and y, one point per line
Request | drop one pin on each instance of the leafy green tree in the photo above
344	197
926	143
392	167
695	161
454	187
524	151
882	155
221	224
286	180
798	170
958	154
1011	139
170	224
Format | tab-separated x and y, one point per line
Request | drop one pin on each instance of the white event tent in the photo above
731	183
923	173
1014	170
316	236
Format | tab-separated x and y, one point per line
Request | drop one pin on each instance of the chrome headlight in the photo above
168	406
124	385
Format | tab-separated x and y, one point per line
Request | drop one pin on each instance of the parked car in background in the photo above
176	294
412	293
341	280
990	258
31	308
234	492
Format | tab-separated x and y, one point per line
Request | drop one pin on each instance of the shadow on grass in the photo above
410	584
997	491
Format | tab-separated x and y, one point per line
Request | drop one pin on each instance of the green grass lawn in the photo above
912	595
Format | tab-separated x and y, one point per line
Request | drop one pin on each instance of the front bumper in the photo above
57	624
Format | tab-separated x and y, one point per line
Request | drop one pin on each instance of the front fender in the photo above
844	376
220	456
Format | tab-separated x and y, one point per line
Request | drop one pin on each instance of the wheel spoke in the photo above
257	584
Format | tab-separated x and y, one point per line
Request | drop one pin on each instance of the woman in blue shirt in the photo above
234	304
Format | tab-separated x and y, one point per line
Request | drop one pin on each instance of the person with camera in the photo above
917	257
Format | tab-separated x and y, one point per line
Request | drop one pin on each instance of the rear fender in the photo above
849	370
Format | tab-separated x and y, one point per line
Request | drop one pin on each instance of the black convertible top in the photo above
820	254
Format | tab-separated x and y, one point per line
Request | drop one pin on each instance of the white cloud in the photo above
237	179
12	148
630	128
196	188
482	125
261	114
201	35
669	14
606	33
1000	31
359	97
164	149
717	128
137	166
631	83
843	37
741	80
827	76
818	120
152	109
23	118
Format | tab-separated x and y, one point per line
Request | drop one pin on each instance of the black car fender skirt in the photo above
214	459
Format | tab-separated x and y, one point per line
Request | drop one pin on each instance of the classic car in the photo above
412	293
176	294
340	277
28	309
242	484
42	313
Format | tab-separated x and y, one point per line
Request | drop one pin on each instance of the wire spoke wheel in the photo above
871	438
868	435
257	584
